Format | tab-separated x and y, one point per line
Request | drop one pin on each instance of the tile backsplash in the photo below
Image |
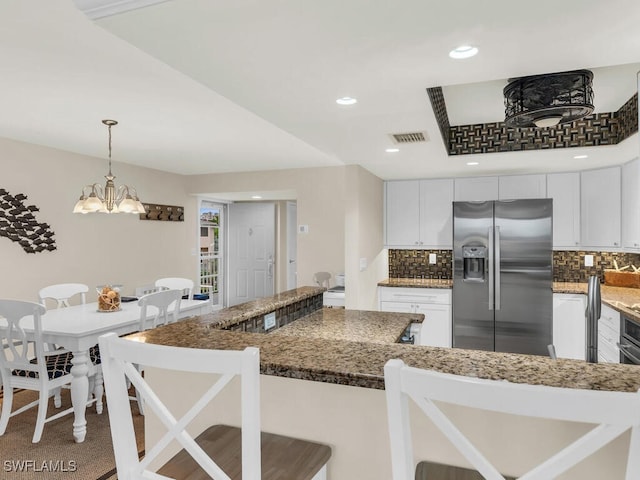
568	266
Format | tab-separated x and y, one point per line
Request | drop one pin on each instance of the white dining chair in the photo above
162	312
158	305
612	413
221	451
171	283
25	364
62	293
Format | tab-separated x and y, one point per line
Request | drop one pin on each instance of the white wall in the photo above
94	248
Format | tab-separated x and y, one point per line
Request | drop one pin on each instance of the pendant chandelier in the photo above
94	198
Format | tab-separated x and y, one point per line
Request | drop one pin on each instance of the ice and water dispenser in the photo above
474	258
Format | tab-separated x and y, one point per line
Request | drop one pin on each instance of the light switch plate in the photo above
363	264
269	320
303	228
588	260
432	259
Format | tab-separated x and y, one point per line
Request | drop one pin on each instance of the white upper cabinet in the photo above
631	205
402	208
476	189
419	213
522	186
436	213
600	207
564	189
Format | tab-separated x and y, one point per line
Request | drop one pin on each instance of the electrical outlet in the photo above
269	320
588	260
432	259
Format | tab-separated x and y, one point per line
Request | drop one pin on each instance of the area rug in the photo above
57	456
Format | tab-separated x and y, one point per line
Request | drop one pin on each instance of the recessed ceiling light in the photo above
392	150
256	197
463	51
346	101
472	163
578	157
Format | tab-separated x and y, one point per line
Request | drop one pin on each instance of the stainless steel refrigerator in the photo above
502	275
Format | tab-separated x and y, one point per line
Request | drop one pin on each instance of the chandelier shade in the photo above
548	100
108	199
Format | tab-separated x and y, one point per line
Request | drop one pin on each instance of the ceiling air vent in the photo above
411	137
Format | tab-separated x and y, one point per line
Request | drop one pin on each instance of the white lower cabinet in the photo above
434	303
569	325
608	335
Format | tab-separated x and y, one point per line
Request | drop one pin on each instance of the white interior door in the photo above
292	245
251	251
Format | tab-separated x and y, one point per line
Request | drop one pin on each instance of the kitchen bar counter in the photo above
360	363
317	382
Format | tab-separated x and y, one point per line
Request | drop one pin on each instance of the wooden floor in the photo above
282	457
435	471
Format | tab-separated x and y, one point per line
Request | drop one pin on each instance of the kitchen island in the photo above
328	388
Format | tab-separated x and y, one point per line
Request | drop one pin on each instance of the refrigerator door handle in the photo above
489	267
496	267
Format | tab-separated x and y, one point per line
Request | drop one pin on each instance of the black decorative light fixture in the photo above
548	100
109	199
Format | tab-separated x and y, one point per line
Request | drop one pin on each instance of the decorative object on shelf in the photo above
167	213
548	100
18	224
108	298
109	199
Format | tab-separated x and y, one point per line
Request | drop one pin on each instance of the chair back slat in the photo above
18	347
611	413
161	300
121	359
176	283
62	293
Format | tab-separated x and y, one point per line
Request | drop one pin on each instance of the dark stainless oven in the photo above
629	341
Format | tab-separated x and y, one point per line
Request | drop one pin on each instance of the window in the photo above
211	250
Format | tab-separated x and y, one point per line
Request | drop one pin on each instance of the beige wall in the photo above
341	205
364	238
343	208
94	248
353	422
320	197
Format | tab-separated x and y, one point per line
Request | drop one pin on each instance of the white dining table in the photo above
77	329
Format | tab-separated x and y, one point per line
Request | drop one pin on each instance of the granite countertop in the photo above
352	325
349	347
416	283
361	363
261	306
618	298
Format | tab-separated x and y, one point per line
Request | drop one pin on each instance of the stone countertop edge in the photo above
361	363
232	315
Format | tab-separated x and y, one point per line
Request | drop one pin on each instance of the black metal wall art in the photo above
18	224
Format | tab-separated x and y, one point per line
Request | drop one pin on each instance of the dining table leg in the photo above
79	393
